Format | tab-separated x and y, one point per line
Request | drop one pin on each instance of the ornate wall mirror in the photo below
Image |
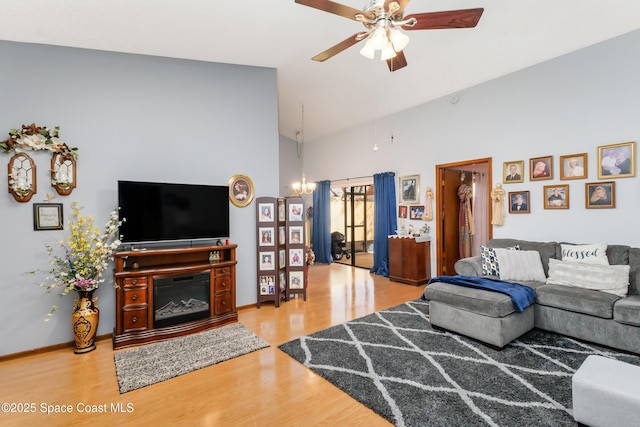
63	173
22	177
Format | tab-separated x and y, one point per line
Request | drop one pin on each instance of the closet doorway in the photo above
352	210
463	211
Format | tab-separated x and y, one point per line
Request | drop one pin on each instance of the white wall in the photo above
571	104
132	117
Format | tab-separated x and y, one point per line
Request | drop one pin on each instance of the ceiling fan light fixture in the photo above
379	38
368	51
388	52
399	39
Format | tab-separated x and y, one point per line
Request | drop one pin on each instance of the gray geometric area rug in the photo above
152	363
394	363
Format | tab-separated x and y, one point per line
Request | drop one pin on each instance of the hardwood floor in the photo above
264	388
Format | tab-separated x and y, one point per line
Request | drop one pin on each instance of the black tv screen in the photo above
156	211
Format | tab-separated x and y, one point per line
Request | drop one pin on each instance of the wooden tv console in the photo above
134	274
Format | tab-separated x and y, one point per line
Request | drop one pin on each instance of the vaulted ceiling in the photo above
347	89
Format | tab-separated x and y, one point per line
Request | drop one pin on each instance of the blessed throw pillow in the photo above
590	254
613	279
520	265
490	265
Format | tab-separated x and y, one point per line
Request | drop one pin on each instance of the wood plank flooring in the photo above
264	388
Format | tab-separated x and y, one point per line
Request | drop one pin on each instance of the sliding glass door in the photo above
352	225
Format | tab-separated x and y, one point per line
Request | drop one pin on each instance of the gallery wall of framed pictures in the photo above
613	161
281	249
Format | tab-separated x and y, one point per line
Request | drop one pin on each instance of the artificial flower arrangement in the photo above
36	138
85	255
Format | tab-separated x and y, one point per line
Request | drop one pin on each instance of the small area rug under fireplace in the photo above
153	363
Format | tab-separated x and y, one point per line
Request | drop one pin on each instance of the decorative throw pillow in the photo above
590	254
490	265
613	279
520	265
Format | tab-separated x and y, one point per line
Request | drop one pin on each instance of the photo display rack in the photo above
281	264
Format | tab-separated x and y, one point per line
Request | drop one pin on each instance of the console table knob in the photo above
135	297
135	319
134	281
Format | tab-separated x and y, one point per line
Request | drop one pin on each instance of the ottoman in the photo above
606	393
483	315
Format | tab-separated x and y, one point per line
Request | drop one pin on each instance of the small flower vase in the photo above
84	321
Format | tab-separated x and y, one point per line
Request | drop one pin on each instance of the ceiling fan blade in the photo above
401	3
334	50
466	18
397	62
333	7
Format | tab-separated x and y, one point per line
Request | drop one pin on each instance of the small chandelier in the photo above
384	32
303	187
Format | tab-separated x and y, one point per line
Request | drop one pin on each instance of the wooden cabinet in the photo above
409	260
136	273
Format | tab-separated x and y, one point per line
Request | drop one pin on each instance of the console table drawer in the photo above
135	281
223	303
222	271
222	284
135	296
135	320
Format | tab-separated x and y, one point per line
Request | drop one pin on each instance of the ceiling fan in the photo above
383	20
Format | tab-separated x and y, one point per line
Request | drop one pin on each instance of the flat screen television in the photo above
156	212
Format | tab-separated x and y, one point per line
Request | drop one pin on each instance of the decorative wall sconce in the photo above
22	177
63	173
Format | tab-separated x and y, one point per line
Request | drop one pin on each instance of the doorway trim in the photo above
440	203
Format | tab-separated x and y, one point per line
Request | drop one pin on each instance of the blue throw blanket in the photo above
522	296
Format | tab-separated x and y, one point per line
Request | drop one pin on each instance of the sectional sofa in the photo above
589	292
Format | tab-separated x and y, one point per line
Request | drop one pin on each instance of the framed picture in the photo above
519	202
295	212
573	166
282	256
241	190
266	260
402	211
282	235
296	280
266	212
267	285
295	234
296	257
513	172
47	216
409	189
416	212
540	168
266	236
617	160
281	210
599	195
556	196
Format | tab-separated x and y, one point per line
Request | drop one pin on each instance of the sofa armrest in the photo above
471	266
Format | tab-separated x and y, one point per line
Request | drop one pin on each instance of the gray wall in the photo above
571	104
132	117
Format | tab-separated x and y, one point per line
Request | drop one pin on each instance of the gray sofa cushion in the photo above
627	310
634	276
546	249
492	304
594	303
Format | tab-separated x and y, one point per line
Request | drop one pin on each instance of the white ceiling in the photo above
347	89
